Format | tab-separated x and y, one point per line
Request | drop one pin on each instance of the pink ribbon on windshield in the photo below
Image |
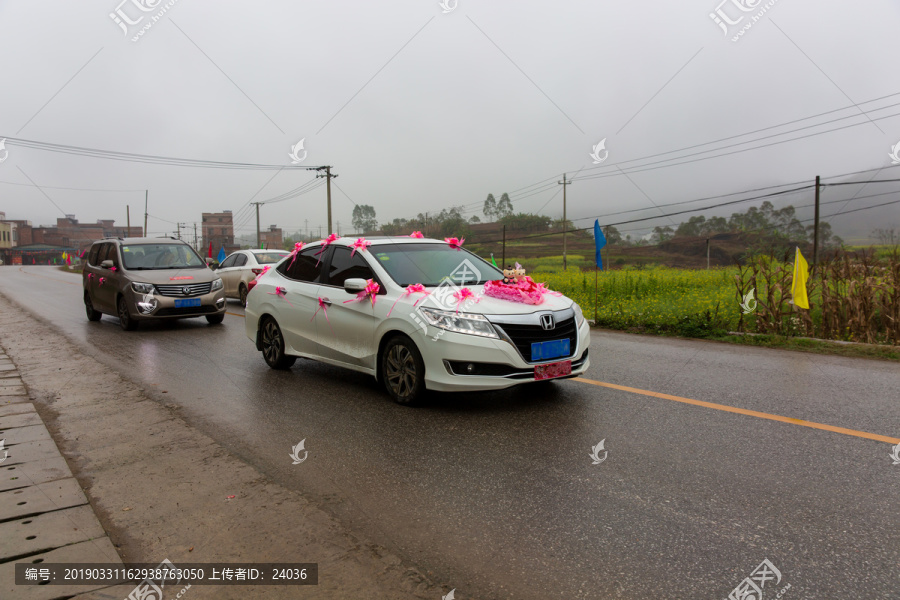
416	234
455	242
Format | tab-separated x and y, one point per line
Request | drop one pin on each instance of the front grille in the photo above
523	336
185	310
178	291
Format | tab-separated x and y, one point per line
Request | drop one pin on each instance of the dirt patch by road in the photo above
161	488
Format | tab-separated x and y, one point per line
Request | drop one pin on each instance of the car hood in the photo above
495	306
173	276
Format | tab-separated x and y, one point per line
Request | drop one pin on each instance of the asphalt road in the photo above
496	494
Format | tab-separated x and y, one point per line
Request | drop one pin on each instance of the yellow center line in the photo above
744	411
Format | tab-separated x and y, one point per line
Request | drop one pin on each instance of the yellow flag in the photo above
798	287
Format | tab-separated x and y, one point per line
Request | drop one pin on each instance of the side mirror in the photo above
107	264
354	286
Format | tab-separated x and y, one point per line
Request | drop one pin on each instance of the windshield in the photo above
267	258
430	264
144	257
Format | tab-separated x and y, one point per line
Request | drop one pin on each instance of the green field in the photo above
688	302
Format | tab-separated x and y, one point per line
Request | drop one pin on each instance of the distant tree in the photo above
887	237
490	207
691	227
364	218
504	207
526	222
474	219
827	239
715	225
661	234
612	235
397	227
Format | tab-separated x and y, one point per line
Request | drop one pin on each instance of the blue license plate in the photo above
191	302
548	350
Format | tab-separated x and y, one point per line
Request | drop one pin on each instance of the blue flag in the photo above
599	242
221	255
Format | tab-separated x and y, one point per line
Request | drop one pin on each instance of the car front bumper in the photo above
497	364
165	307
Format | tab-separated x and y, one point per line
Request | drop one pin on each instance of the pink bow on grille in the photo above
416	234
463	295
370	292
416	288
281	292
298	246
360	244
324	308
454	242
265	270
325	243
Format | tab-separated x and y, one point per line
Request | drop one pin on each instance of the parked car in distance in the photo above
143	279
242	267
322	304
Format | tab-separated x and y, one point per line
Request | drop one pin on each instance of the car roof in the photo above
258	250
143	240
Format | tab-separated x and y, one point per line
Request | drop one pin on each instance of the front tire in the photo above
92	315
215	319
403	371
272	344
125	320
242	293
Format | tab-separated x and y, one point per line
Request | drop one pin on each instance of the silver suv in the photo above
139	279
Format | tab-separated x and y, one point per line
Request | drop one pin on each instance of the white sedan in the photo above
412	313
241	267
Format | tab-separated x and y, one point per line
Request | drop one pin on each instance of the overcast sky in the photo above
419	109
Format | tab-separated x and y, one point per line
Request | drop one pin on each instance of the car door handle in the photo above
326	301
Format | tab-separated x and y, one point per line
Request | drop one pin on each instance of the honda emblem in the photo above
547	322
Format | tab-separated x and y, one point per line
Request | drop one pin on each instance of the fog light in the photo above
470	368
148	305
220	302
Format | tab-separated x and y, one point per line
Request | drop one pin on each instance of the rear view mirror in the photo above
108	264
354	286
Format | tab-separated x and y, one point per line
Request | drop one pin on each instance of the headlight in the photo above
217	285
470	323
143	288
579	316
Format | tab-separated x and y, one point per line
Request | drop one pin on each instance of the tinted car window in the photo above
161	256
95	251
228	262
429	264
267	258
240	260
344	267
306	267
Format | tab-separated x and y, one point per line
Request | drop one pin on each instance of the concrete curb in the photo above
45	516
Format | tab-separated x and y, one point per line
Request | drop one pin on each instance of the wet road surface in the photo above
496	494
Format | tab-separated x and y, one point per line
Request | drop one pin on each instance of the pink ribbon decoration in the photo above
297	248
113	268
325	243
416	234
454	242
281	292
90	276
265	270
324	308
416	288
360	244
370	292
462	295
102	280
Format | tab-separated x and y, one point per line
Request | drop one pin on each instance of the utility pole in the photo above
178	230
306	228
258	238
503	256
196	247
146	193
815	256
327	177
564	183
320	231
128	220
